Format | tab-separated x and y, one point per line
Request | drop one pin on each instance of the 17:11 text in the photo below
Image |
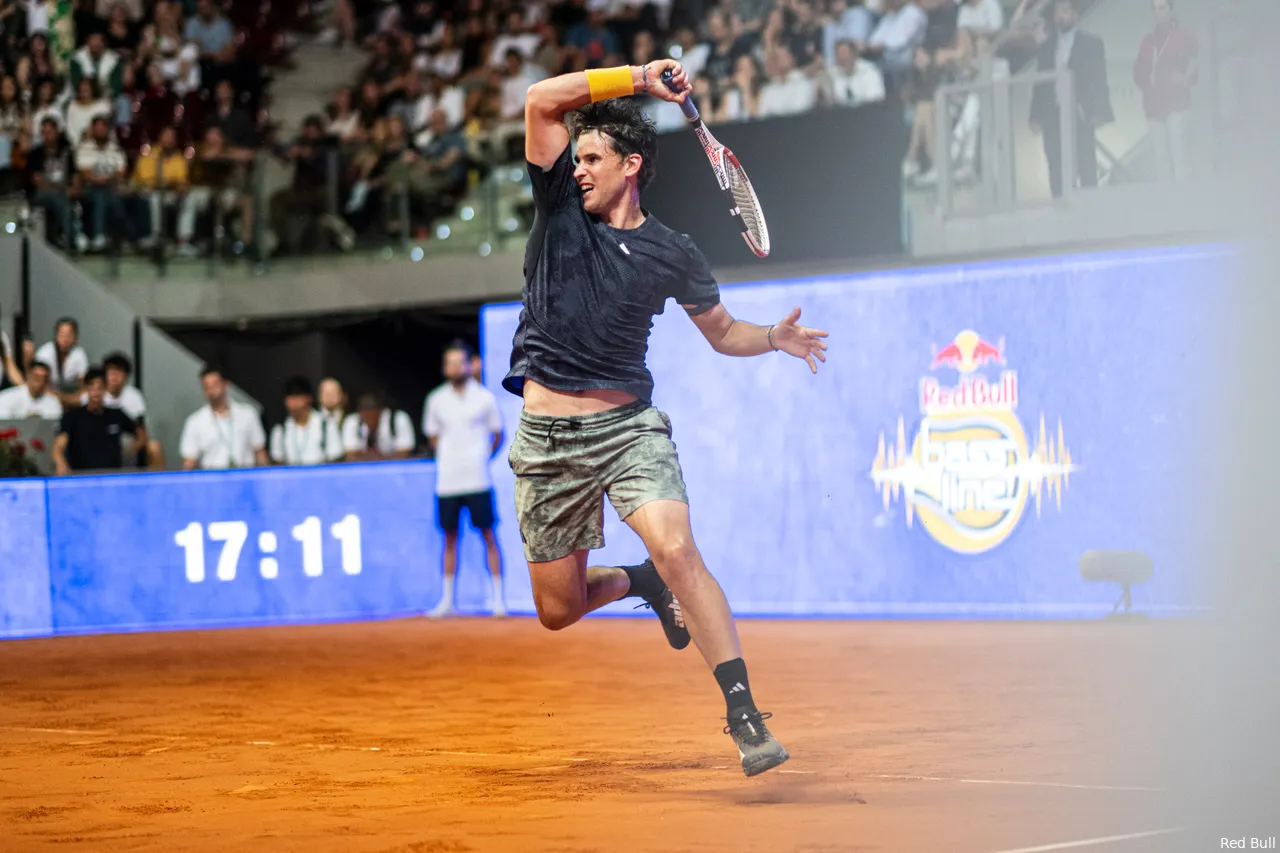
233	534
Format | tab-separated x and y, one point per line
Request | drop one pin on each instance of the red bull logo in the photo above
969	471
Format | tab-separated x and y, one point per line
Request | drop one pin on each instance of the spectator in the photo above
981	17
807	35
344	121
439	96
894	40
1085	55
550	54
477	368
446	60
852	80
101	164
88	104
515	37
95	62
740	95
50	170
67	361
518	76
724	48
685	47
224	433
850	21
46	107
1166	71
38	65
333	403
377	432
219	177
214	38
444	158
308	198
592	38
121	34
10	373
32	399
237	126
15	140
161	176
117	368
306	437
91	436
788	91
133	9
462	422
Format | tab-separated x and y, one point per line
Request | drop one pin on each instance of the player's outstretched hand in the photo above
657	88
800	341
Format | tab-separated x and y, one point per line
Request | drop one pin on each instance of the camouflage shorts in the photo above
565	466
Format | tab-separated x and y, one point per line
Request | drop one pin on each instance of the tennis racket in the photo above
731	177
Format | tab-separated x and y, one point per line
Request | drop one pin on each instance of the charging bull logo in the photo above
970	471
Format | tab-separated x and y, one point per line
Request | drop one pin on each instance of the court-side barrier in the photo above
976	430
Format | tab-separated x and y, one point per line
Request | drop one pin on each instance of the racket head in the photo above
754	229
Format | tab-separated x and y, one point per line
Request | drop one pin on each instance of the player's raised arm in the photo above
549	101
738	338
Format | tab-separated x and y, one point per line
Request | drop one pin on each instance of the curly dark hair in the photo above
628	129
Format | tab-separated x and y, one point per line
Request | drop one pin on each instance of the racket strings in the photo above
748	206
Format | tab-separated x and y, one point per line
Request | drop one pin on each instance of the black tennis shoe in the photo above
668	609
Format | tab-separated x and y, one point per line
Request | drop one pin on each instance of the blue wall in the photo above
779	464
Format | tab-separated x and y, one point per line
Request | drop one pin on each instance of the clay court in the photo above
481	735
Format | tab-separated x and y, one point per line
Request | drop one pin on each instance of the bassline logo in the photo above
969	471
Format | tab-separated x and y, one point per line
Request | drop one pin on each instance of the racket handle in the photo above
688	108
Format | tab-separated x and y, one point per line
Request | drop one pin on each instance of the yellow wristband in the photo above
608	83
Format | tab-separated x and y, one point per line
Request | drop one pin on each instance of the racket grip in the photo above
690	111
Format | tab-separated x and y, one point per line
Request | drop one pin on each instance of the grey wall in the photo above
10	280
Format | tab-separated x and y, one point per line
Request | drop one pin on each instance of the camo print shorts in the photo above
565	466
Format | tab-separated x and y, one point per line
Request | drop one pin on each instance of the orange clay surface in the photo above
485	735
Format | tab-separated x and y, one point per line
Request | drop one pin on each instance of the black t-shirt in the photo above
591	291
94	439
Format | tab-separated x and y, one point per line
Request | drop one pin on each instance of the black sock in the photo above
732	678
645	581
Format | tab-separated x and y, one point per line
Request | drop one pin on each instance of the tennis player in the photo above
597	268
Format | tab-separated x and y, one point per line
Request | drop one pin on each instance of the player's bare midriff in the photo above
541	400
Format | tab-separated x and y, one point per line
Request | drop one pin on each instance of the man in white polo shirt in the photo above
33	399
462	422
306	437
223	434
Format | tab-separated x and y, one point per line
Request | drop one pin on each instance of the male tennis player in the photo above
597	268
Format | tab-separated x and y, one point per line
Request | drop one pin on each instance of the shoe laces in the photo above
749	727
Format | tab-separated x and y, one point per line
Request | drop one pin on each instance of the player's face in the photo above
601	173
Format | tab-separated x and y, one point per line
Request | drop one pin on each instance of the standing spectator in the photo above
1165	71
50	169
477	368
306	437
224	433
67	361
592	38
853	80
788	90
95	62
32	399
117	368
101	164
333	403
1085	56
377	432
462	422
91	437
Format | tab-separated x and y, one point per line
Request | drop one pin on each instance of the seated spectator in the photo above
88	104
46	106
515	36
173	55
95	62
122	34
550	54
445	60
787	91
237	126
224	433
723	48
32	399
50	172
160	177
850	21
91	436
38	65
215	40
439	96
220	177
740	95
517	77
344	120
376	432
15	136
592	39
306	437
853	80
307	200
101	164
806	37
134	10
894	40
444	158
67	361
